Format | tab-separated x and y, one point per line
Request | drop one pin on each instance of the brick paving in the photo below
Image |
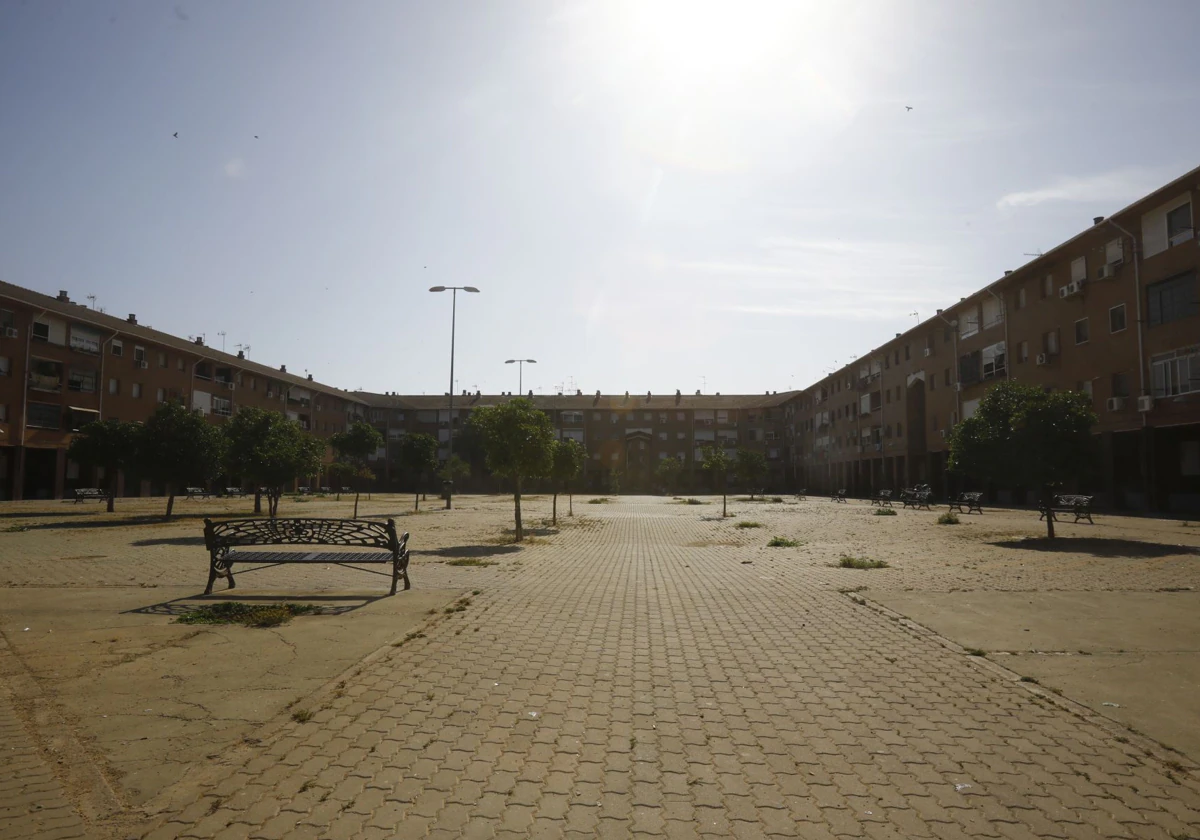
661	675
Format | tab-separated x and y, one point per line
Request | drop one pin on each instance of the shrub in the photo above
885	511
783	542
948	518
470	561
257	615
848	562
599	501
748	525
694	502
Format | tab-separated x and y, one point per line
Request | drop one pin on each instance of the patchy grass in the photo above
851	590
848	562
1029	680
16	528
885	511
458	606
302	716
783	542
248	615
408	638
976	652
748	525
600	501
471	561
948	518
691	502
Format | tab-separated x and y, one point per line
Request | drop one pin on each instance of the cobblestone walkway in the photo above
624	684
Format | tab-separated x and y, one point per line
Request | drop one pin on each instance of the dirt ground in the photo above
122	703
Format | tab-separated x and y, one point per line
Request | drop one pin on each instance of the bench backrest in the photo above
970	497
353	532
1073	500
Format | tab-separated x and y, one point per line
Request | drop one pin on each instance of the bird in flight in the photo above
255	136
176	135
907	107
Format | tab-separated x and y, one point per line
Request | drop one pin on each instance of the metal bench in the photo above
326	490
970	501
345	490
225	539
802	495
917	497
196	492
84	493
838	496
234	491
883	498
1080	506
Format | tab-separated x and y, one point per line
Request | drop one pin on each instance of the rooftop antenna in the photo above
703	383
92	298
222	334
1035	254
244	348
916	315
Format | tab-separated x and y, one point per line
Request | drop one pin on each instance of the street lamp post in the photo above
520	363
454	290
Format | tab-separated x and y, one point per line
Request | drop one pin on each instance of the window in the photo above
114	387
41	332
160	395
947	375
139	354
933	382
83	381
1116	318
935	425
137	390
1114	252
221	406
5	366
662	435
1085	387
179	363
1179	224
8	319
3	413
203	370
1023	351
969	323
45	375
162	359
993	312
662	417
1081	331
1174	298
1050	343
888	395
1021	298
1079	269
597	416
44	416
994	361
899	429
85	341
648	416
680	436
118	349
1120	385
1176	373
907	352
1048	286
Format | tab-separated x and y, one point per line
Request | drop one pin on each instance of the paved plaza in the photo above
649	669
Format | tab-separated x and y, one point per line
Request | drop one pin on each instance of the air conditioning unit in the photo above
143	365
957	386
1145	403
928	352
943	434
270	395
10	332
1115	403
230	385
1043	359
1108	272
1064	291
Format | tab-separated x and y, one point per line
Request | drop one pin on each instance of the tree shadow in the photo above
1099	547
470	550
171	541
148	519
43	514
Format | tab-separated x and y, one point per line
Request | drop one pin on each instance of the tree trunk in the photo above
112	490
724	509
1048	501
554	509
416	501
170	500
570	504
258	501
356	505
517	500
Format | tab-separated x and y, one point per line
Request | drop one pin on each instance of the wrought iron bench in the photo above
838	496
802	495
234	491
1080	506
83	493
223	539
196	492
970	501
882	498
345	490
917	497
326	490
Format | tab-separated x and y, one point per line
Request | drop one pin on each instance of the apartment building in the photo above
63	365
624	434
1113	312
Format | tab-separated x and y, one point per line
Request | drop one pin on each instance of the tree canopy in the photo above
267	449
717	464
1024	436
419	457
568	459
354	446
178	447
518	442
108	444
668	472
751	469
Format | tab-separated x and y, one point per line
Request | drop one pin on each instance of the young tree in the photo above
177	446
569	456
668	472
109	444
339	473
454	469
266	448
717	464
354	446
1023	436
518	441
751	469
419	456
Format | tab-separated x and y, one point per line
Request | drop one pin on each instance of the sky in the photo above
650	196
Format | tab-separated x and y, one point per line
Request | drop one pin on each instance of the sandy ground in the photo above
121	702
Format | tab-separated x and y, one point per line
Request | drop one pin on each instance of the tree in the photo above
518	444
419	456
454	469
751	469
267	449
107	444
339	473
354	446
1022	436
568	459
178	447
668	472
717	464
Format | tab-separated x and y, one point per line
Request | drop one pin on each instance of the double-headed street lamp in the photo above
520	363
454	290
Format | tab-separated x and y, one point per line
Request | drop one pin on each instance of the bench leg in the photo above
219	566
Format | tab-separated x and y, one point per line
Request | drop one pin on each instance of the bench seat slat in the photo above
309	557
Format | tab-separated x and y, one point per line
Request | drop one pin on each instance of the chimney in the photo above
897	335
310	379
241	354
597	392
1097	219
939	312
579	392
626	395
531	392
63	297
1007	272
677	393
647	396
697	392
718	393
200	340
132	318
283	368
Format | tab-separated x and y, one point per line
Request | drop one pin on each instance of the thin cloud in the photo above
235	168
1119	185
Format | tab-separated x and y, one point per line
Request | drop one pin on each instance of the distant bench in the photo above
196	492
838	496
234	491
1080	506
970	501
917	497
802	495
85	493
223	539
883	498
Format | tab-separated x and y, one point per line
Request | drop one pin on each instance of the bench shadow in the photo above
1099	547
469	550
171	541
180	606
126	521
